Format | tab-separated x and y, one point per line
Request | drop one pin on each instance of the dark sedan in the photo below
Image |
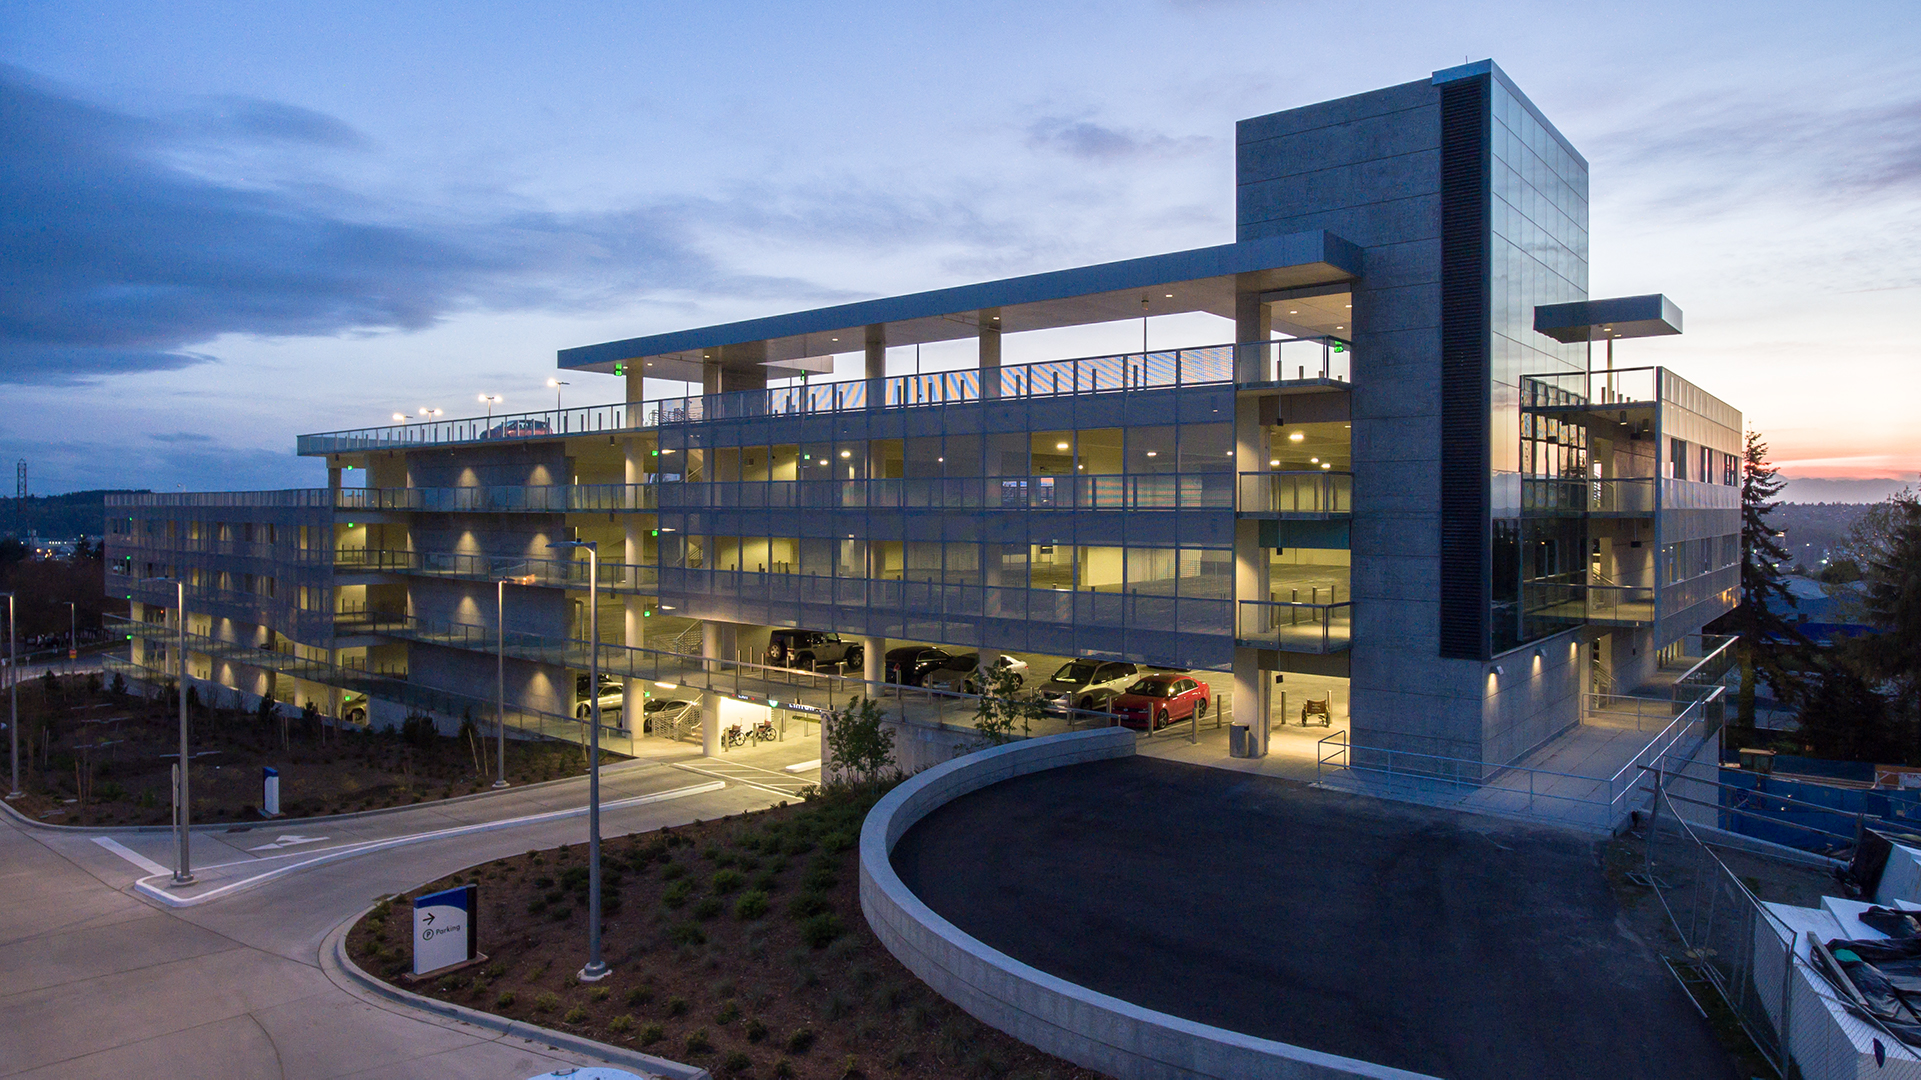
909	664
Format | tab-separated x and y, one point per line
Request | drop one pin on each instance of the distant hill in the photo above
1819	489
77	513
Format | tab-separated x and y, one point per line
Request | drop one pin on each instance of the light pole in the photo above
490	400
556	384
13	693
183	873
596	968
73	640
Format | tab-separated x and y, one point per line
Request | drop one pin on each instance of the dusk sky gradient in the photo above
222	225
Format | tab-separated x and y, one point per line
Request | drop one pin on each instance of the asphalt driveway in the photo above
1407	936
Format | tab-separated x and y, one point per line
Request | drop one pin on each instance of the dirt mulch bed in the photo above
91	757
736	945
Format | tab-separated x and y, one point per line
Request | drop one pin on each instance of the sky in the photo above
224	224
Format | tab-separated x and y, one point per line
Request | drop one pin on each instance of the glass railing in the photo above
314	497
1315	493
570	573
241	549
1636	495
1629	604
1189	491
1296	360
503	498
1292	627
1591	389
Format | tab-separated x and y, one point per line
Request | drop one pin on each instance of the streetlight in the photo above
428	414
73	640
596	968
500	666
490	400
183	874
556	384
13	692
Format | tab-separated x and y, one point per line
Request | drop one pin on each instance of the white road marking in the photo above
159	892
131	855
803	766
289	840
751	775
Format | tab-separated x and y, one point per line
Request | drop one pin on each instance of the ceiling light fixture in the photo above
1296	437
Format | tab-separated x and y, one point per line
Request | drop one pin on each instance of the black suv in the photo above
811	649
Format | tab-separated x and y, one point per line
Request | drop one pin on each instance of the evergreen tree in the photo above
1891	599
1768	641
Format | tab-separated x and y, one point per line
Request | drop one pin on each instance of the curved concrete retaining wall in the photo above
1049	1013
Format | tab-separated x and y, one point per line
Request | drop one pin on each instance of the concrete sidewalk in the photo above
97	980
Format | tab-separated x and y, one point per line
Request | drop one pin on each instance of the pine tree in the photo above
1891	599
1768	640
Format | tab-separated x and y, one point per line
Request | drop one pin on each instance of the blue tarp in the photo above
1773	818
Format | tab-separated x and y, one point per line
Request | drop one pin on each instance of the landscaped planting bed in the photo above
737	945
92	756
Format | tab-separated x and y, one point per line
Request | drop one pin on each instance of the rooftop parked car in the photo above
518	429
811	650
961	674
1156	701
1086	684
909	664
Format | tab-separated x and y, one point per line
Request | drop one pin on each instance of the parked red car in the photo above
1159	700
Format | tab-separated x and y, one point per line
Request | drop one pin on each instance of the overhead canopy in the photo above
1203	279
1653	315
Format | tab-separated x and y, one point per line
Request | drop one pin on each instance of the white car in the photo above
613	697
1086	684
671	719
961	674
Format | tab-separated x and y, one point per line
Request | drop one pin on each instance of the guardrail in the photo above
289	497
1306	493
1620	495
1296	627
1312	360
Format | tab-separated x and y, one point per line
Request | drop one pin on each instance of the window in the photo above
1678	459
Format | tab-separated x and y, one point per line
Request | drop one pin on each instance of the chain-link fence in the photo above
1757	969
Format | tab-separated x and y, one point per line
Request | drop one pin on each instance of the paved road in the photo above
99	979
1407	936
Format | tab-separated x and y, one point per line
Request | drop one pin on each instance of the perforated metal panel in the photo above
1465	121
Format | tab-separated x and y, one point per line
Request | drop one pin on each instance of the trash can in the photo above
1240	740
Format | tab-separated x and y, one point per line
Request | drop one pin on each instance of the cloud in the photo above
180	437
1089	141
115	258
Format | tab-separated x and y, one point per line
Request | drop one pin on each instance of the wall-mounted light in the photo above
1499	670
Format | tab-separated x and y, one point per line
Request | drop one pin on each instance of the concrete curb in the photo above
266	823
347	975
1049	1013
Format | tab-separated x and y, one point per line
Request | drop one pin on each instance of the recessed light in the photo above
1060	446
1293	313
846	453
1340	328
1325	465
1350	305
1153	453
1274	461
1296	437
1314	461
1170	296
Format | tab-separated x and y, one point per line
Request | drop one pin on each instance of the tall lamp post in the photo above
555	385
73	639
596	968
490	400
13	693
183	873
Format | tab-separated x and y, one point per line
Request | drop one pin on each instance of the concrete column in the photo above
633	629
990	352
876	365
717	642
710	374
636	381
1252	323
137	648
873	667
333	478
1252	696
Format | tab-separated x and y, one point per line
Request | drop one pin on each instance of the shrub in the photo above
600	993
820	880
821	930
727	881
651	1034
751	905
858	743
687	934
621	1024
806	905
729	1012
697	1041
547	1002
575	1015
418	730
837	841
676	1006
707	908
677	894
800	1041
756	1031
640	995
783	1068
736	1062
674	872
505	1000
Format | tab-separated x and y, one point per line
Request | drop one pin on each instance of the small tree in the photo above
858	742
1841	717
999	712
1891	599
1768	640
